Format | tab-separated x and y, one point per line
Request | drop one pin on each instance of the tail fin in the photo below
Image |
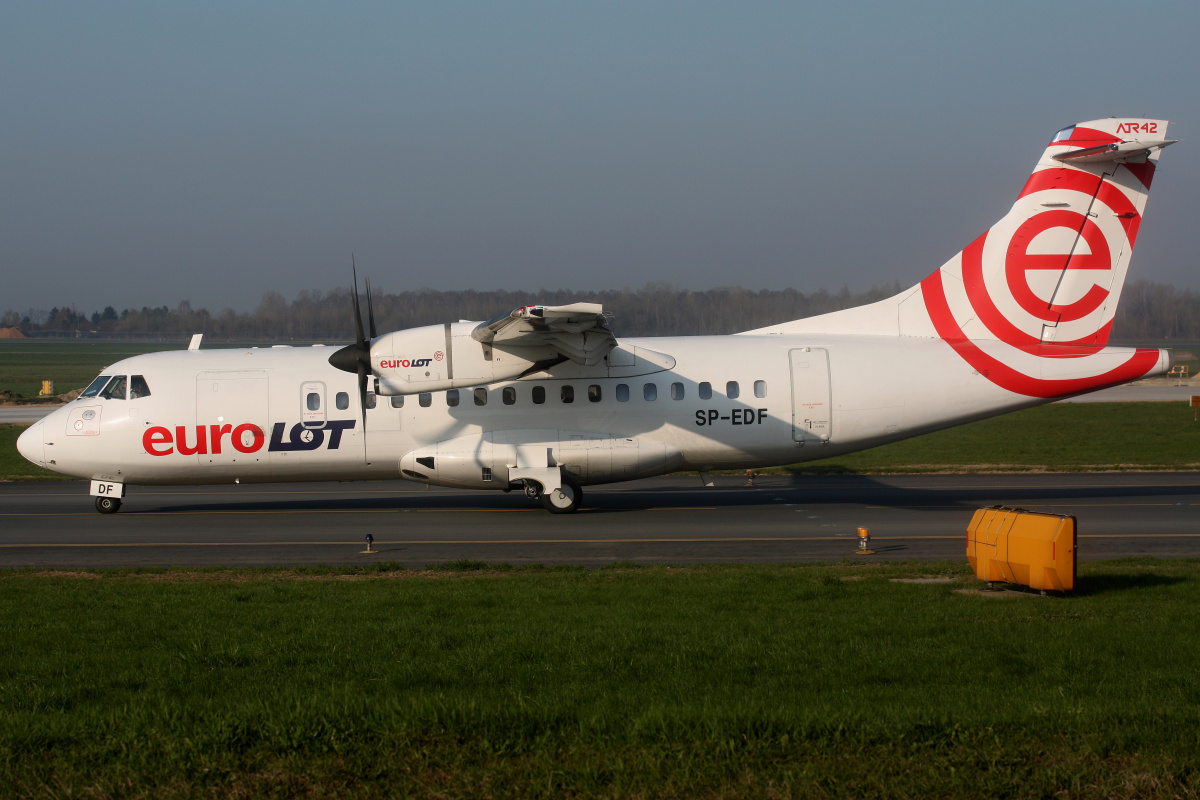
1030	303
1052	269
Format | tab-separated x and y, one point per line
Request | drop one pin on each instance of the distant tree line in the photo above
1147	311
1156	311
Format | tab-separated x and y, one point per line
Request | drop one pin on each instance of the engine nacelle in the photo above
496	459
438	357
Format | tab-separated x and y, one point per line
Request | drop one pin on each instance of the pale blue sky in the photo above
156	152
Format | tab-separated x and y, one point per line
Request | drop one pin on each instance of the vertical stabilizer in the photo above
1030	303
1052	269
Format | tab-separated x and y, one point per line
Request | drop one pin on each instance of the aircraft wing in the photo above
578	331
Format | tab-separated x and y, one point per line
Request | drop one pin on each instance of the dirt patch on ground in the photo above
927	579
998	469
1000	594
236	576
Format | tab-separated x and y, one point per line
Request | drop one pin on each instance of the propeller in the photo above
356	358
370	307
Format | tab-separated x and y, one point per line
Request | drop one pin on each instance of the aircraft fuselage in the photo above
653	406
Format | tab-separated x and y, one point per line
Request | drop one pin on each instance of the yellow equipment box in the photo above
1012	545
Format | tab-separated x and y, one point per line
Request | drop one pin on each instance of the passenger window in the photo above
95	386
313	401
732	390
760	388
650	391
397	401
115	389
594	393
676	391
138	387
567	394
539	395
342	401
481	396
509	395
622	393
370	400
425	399
705	391
452	397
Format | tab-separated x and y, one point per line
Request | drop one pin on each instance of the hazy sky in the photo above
157	152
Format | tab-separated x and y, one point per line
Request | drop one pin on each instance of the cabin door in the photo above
812	414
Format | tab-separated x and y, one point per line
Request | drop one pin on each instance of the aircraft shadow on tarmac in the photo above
998	489
768	491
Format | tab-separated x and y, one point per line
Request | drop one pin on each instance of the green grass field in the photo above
731	681
725	681
25	363
1064	437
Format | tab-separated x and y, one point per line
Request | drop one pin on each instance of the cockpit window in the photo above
95	386
138	387
1063	135
115	389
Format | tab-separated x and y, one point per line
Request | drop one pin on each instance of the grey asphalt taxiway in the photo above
662	520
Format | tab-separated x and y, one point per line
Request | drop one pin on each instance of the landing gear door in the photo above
812	412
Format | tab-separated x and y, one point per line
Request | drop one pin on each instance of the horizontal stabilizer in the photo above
1118	152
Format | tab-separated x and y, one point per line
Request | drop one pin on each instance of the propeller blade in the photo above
371	310
356	358
350	357
362	397
360	339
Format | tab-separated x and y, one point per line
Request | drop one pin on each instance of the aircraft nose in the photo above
32	443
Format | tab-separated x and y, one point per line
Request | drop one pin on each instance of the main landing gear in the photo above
563	500
108	505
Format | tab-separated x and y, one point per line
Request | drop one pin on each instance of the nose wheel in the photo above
108	505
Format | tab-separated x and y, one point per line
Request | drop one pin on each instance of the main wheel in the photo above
108	505
563	500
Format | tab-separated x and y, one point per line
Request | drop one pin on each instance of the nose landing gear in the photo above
108	505
108	495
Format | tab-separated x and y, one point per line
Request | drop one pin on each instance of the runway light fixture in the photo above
370	539
864	539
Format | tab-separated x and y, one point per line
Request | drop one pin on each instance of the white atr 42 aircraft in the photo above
546	399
